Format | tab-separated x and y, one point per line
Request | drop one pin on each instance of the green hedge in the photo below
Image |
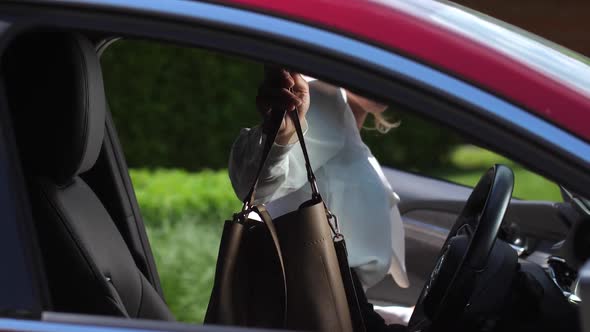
177	107
169	196
185	255
184	213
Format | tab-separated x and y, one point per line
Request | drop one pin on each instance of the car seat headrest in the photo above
56	96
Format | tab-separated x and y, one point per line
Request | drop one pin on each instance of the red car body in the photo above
535	76
424	37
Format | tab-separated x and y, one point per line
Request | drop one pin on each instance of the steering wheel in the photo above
464	255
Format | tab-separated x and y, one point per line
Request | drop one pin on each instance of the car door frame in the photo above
22	280
357	65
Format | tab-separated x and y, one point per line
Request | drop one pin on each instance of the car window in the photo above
178	111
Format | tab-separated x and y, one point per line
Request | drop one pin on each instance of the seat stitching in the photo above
140	294
118	306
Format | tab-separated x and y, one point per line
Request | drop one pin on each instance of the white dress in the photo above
349	177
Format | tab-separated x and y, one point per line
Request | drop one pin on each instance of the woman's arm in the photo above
284	170
245	158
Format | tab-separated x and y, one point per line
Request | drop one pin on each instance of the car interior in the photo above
89	265
95	249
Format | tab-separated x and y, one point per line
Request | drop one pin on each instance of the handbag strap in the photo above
266	218
275	124
310	176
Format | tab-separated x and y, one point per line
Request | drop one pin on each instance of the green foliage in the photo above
416	144
178	107
185	255
184	213
470	157
470	162
169	196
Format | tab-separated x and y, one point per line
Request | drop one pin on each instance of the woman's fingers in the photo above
278	77
300	85
301	89
282	90
272	98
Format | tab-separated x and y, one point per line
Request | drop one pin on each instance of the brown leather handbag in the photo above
291	272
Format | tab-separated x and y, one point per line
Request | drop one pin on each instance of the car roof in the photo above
533	73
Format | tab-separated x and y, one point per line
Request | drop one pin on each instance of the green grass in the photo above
184	213
173	195
470	162
185	255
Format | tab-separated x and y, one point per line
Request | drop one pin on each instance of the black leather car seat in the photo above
56	97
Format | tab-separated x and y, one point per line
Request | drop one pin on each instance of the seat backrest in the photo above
56	96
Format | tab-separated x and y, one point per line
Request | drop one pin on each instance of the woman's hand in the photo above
282	90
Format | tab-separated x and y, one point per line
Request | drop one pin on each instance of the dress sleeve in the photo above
284	170
244	161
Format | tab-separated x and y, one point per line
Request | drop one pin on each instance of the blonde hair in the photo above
381	124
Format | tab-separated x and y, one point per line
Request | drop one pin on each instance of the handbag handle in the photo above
275	120
270	227
275	124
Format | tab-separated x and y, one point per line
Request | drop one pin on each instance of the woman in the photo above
349	177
